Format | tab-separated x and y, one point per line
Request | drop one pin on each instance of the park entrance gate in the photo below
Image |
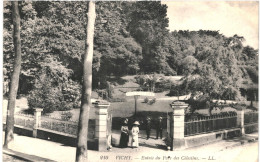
175	125
169	129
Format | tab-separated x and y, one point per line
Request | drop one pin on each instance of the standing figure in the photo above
135	132
159	128
148	127
124	139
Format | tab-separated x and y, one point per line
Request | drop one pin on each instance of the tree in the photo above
53	90
147	24
189	65
27	21
118	52
15	76
81	154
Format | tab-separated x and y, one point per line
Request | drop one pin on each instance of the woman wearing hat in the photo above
135	132
124	139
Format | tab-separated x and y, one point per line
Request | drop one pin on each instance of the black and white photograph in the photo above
130	81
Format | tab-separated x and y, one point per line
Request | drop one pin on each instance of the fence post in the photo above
101	125
240	120
37	120
178	142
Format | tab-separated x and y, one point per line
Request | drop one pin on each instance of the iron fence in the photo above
68	127
55	124
251	117
24	120
210	124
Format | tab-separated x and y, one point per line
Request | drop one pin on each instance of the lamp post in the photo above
136	95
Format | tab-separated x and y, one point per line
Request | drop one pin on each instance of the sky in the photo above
229	17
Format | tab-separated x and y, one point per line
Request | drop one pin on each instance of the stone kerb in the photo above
178	142
37	120
101	125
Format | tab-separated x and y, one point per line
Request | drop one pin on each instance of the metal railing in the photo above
25	120
68	127
250	117
210	124
55	124
60	126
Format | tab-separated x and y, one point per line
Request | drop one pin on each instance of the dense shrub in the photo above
117	100
238	106
153	82
177	90
232	93
198	103
163	85
158	90
52	97
152	101
66	116
72	93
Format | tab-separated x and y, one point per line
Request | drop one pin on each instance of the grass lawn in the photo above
126	109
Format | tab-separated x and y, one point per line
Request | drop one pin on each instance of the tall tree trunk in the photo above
15	76
81	154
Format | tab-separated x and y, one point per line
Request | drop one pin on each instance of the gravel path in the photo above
62	153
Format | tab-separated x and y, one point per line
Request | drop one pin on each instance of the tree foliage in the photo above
130	38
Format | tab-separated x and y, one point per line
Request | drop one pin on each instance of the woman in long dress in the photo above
135	132
124	139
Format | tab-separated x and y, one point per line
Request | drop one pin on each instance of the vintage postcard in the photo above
127	81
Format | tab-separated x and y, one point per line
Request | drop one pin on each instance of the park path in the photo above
54	151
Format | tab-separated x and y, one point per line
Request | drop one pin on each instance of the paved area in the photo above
34	149
12	158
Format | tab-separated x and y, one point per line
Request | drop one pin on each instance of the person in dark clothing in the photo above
159	128
124	139
148	127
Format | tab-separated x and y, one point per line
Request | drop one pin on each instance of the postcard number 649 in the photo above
103	157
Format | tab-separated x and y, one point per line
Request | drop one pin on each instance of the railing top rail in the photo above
205	119
251	112
24	115
59	120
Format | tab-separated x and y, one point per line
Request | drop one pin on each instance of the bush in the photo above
52	97
66	116
146	100
198	103
152	101
72	93
177	90
238	106
117	100
158	90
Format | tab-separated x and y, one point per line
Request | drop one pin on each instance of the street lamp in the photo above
136	95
